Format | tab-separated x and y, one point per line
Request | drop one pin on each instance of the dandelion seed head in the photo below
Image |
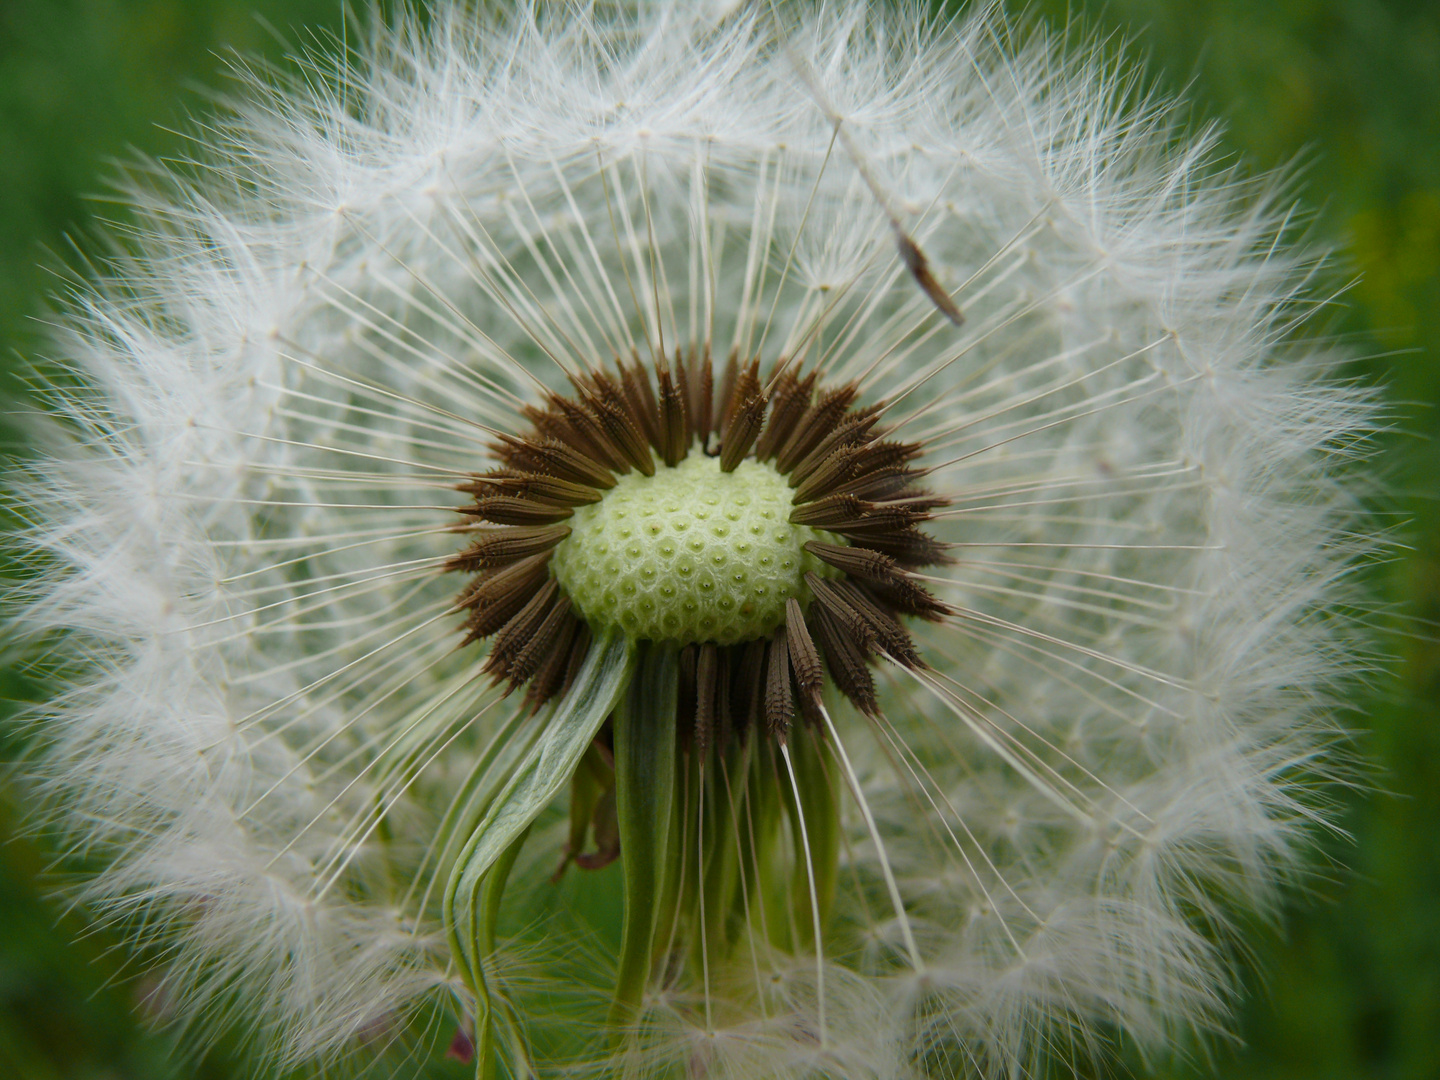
366	527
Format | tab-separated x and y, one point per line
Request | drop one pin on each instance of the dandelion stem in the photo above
645	768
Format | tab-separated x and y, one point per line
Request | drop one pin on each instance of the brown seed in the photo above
542	642
615	420
883	484
885	454
788	403
779	704
550	424
495	598
831	476
741	433
684	380
590	435
886	628
533	486
674	422
520	629
503	546
880	518
741	384
548	679
552	457
851	432
641	398
829	597
919	268
890	584
831	512
818	422
556	421
579	649
725	389
702	408
909	597
845	659
804	658
908	547
857	561
509	510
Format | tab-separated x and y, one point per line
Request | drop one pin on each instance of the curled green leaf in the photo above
536	778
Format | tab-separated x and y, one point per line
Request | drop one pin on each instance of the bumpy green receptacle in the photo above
689	554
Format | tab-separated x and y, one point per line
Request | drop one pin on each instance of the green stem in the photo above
491	893
645	768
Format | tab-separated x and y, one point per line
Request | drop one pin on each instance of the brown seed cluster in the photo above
848	479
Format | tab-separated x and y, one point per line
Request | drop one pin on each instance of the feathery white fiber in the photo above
246	501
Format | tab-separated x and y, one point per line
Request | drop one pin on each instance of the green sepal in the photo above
592	783
645	766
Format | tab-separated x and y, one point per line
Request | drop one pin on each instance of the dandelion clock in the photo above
692	541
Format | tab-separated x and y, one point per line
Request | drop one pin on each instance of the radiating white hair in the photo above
260	411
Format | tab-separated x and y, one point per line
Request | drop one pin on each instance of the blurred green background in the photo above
1349	989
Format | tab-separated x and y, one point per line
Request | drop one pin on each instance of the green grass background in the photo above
1350	988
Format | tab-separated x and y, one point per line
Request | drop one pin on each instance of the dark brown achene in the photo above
847	478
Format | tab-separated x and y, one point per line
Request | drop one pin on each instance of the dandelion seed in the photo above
552	442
